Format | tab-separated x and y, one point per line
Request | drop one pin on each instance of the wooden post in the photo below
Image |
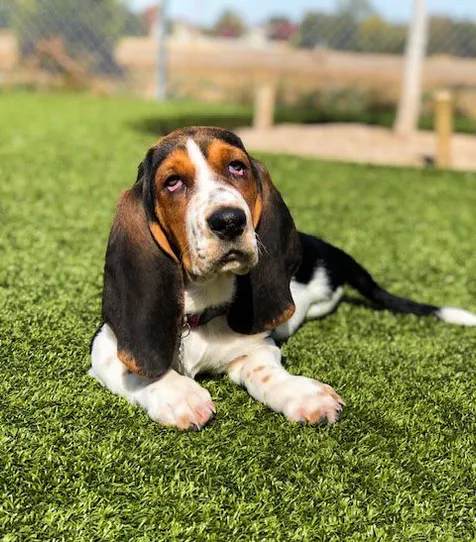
443	127
265	99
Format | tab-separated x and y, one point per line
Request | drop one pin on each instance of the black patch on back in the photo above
317	253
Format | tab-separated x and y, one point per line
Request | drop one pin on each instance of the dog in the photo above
204	272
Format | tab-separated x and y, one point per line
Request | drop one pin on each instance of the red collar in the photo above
198	319
193	320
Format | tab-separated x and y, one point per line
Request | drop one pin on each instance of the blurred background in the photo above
303	61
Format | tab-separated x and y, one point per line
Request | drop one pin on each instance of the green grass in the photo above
78	463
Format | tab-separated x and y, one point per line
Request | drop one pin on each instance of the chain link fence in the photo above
350	57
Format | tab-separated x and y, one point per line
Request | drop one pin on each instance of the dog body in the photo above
204	270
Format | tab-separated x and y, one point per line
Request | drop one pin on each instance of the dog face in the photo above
206	201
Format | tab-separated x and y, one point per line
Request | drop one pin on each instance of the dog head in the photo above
204	201
201	206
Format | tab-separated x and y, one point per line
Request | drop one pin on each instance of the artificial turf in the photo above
78	463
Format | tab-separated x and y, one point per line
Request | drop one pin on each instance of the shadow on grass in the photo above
161	127
243	117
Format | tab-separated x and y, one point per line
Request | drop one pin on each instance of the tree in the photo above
440	31
408	112
452	37
5	16
315	30
464	39
378	36
344	32
229	25
356	9
331	31
88	29
281	29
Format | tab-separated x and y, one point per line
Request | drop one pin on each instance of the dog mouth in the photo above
232	256
235	261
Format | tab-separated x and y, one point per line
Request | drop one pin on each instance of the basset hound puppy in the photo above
204	270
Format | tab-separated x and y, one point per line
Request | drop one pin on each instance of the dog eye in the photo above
173	183
236	168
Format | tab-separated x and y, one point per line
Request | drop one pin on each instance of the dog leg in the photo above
173	400
323	308
298	398
313	299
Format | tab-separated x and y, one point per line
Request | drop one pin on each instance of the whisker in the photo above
261	247
185	252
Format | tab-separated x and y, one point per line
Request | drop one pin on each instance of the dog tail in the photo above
360	279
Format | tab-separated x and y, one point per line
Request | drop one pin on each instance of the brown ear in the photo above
143	291
263	297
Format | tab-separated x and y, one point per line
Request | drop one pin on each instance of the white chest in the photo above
212	347
213	293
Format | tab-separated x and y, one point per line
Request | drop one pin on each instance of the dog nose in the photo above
227	223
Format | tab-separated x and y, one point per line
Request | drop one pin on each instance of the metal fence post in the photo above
161	53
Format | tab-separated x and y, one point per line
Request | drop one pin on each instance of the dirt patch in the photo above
359	143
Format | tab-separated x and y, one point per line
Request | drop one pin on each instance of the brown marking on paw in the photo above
315	416
184	423
236	361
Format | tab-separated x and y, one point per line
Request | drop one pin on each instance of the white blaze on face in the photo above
203	173
209	194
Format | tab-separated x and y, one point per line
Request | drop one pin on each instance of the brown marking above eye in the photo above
220	155
176	165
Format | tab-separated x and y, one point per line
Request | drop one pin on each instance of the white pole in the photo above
408	112
161	53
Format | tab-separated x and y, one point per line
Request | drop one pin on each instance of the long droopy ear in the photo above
143	290
263	297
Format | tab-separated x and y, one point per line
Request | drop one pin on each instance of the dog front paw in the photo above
178	401
309	401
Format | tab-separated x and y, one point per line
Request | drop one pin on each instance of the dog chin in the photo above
236	262
235	267
229	263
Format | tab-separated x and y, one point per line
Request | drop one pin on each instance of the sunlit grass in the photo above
77	463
